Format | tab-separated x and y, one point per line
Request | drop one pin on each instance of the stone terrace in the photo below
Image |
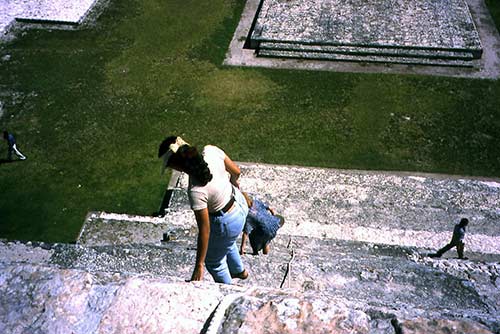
443	37
49	11
422	31
407	209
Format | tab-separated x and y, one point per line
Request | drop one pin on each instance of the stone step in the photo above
357	58
48	299
362	51
41	299
101	228
406	209
354	236
182	242
415	25
381	276
54	14
376	277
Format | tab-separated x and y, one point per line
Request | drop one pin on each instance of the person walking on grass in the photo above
11	141
218	205
457	240
261	226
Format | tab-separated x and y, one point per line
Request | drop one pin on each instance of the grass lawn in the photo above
90	107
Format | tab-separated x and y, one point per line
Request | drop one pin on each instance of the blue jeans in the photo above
223	258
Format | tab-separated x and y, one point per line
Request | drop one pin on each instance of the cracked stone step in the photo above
377	276
406	60
446	24
368	51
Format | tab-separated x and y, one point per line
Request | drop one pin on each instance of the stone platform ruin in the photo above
446	37
351	258
426	32
50	13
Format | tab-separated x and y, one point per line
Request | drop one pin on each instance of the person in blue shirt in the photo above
11	141
457	240
261	226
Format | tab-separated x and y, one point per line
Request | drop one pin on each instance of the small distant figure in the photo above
11	141
457	240
261	226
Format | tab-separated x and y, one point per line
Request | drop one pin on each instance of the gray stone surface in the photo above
333	286
404	32
368	51
345	262
101	229
383	277
388	208
36	299
415	24
51	11
489	64
383	59
264	312
419	325
39	299
307	313
18	252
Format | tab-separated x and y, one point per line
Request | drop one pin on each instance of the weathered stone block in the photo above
421	29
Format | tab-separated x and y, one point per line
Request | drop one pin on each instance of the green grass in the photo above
90	107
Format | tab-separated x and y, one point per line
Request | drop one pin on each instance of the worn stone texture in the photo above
40	299
45	299
373	282
240	53
389	208
108	229
152	306
403	31
439	326
331	269
293	313
443	24
51	14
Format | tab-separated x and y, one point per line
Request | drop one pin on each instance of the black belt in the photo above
225	209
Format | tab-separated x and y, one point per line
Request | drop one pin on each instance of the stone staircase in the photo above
375	283
123	279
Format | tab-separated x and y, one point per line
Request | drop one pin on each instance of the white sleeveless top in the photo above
216	193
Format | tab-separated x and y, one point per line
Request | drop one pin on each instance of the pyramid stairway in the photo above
338	280
383	282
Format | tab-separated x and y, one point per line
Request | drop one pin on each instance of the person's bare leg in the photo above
266	249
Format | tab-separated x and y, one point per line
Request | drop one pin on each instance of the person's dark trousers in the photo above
445	249
460	249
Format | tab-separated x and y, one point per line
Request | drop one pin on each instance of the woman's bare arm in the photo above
233	170
202	246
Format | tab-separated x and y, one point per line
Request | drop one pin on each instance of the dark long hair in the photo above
189	159
195	165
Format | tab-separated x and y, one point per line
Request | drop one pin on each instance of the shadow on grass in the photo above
7	161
